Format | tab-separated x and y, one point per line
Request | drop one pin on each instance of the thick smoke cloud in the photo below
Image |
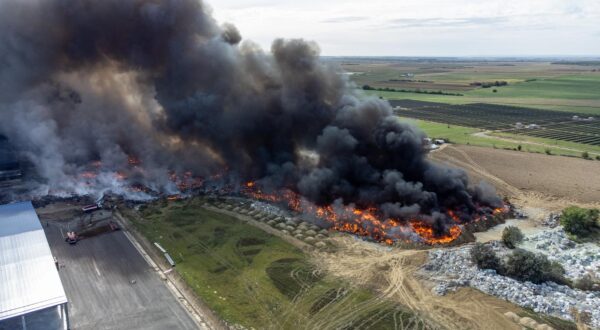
88	80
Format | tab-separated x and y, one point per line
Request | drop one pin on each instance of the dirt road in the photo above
394	274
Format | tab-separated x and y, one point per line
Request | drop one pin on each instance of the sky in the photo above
422	27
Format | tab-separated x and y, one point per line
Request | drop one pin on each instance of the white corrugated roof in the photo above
29	280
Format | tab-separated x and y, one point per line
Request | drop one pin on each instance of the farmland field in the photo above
564	179
257	280
473	136
550	124
531	83
571	87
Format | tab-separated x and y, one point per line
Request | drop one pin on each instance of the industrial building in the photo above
31	292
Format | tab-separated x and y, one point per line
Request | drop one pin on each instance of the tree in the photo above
579	221
511	236
536	268
484	257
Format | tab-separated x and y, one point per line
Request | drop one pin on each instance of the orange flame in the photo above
427	233
89	175
174	197
134	161
361	222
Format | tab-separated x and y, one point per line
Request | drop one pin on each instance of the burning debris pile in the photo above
373	223
155	94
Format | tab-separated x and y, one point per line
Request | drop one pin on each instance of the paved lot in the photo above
110	286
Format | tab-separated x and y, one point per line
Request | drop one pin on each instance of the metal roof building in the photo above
31	293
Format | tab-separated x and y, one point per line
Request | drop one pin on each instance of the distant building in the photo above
31	293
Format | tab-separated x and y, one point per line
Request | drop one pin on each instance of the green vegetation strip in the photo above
565	93
464	135
257	280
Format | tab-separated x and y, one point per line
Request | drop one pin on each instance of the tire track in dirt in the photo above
534	197
469	163
395	275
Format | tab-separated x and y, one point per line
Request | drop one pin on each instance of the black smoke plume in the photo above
89	80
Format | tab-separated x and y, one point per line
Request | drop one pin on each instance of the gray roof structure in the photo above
29	280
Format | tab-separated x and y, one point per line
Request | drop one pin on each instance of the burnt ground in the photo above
110	286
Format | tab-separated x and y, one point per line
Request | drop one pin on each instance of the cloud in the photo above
383	27
345	19
445	22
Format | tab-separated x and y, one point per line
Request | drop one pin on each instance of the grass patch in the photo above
569	87
464	135
257	280
292	276
579	148
330	297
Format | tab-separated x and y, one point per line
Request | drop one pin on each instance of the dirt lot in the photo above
526	175
394	274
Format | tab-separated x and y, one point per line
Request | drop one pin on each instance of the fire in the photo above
174	197
427	233
120	176
187	181
453	216
89	175
134	161
365	222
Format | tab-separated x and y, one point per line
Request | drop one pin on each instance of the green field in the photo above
535	84
257	280
464	135
576	87
587	107
592	150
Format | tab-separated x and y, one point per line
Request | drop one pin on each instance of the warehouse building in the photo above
31	293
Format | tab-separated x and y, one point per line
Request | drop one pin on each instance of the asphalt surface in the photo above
110	286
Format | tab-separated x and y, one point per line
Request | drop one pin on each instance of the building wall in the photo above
53	318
